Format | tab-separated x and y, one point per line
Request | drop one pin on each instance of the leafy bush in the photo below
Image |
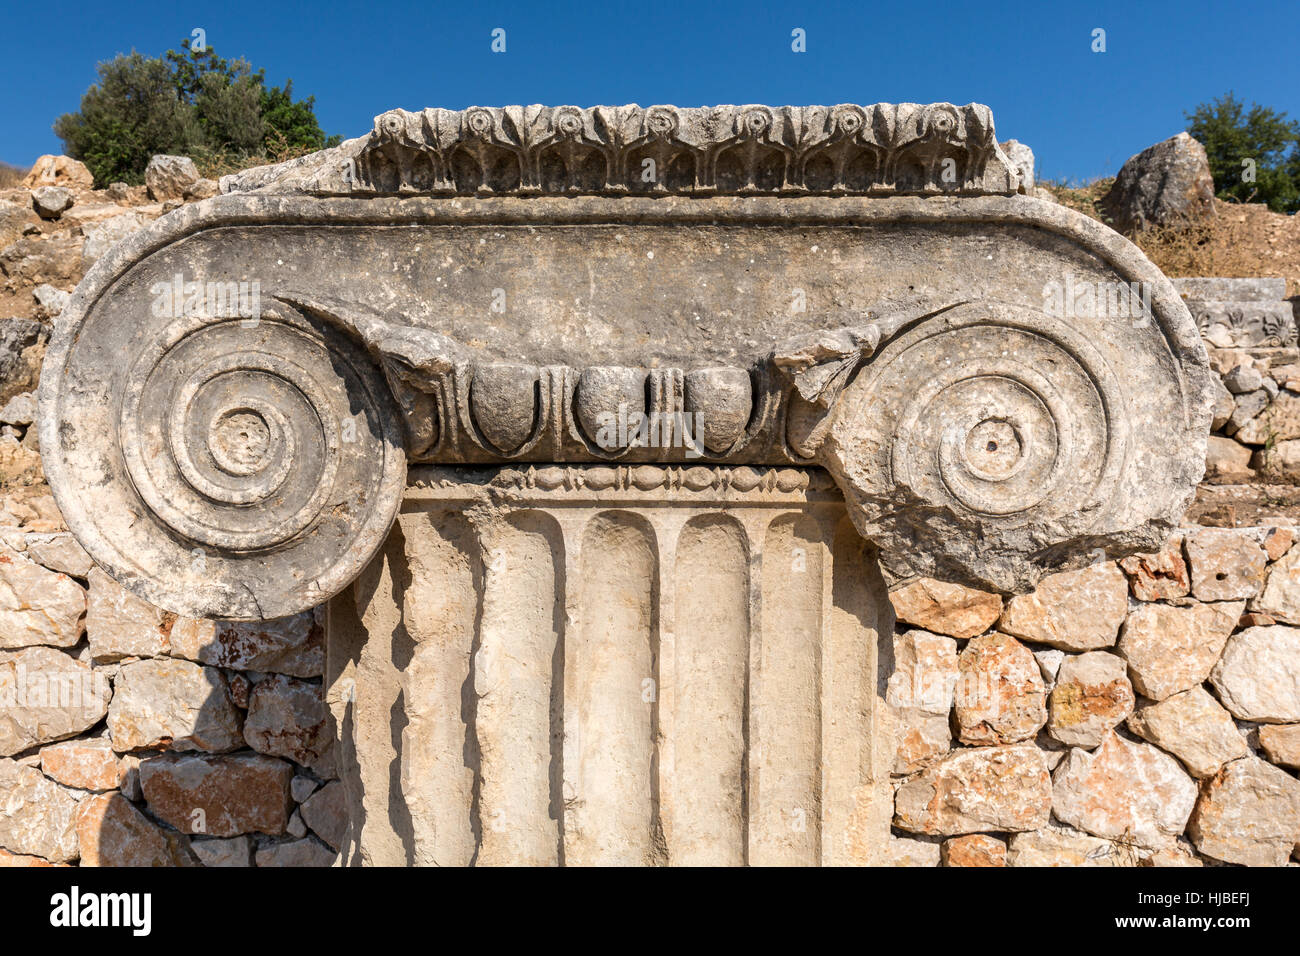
188	103
1254	152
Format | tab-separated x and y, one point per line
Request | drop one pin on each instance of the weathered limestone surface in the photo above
38	606
1092	695
607	539
174	701
1000	694
1074	611
45	695
1171	649
1249	814
1194	728
1258	676
985	473
37	816
656	596
112	832
987	788
1124	791
920	692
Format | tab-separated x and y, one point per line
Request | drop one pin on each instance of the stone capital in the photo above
234	394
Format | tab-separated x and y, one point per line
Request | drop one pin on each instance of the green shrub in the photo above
1254	152
188	103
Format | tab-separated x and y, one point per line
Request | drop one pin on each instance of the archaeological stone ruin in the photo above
668	487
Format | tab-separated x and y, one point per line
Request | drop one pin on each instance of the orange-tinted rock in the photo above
976	849
1281	744
1248	813
1000	696
1278	541
218	795
84	764
919	692
18	860
1092	695
112	832
50	170
977	790
1159	576
1124	791
944	608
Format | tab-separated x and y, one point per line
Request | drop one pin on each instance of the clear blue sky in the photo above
1084	113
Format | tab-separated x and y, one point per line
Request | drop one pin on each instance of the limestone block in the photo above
986	788
120	625
1056	845
1194	728
293	645
1000	695
37	816
945	608
1159	576
1171	649
83	764
1281	744
1249	814
288	718
1092	695
1123	791
169	176
296	853
45	695
112	832
158	701
976	849
38	606
920	689
1226	564
221	796
1074	611
230	851
1258	676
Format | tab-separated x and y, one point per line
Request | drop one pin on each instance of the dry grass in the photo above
1240	241
1218	246
10	176
215	163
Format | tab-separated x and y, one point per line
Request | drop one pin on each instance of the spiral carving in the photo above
983	438
266	457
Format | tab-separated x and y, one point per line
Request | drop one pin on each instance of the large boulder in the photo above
59	171
1164	183
169	176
